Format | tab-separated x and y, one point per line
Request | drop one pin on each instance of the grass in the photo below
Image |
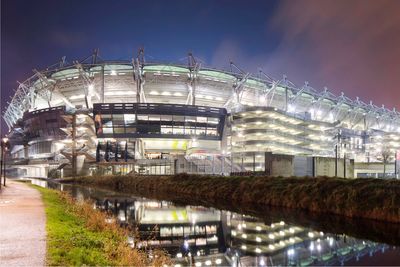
356	198
79	235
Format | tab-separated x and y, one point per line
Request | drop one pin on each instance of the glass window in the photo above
178	130
211	132
108	124
118	120
201	131
213	120
129	119
130	129
202	119
107	130
154	117
179	118
166	117
188	130
166	129
105	118
143	117
190	119
119	130
192	130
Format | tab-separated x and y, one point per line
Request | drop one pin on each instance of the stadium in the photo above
98	116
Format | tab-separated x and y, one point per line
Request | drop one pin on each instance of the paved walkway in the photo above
22	226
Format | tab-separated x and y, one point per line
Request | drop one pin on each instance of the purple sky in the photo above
351	46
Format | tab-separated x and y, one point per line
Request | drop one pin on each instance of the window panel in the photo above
129	119
166	117
107	130
202	119
119	130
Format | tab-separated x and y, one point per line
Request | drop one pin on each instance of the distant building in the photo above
98	116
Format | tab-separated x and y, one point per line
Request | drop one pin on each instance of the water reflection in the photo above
199	236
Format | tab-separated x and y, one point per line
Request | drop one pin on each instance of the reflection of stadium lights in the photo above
271	236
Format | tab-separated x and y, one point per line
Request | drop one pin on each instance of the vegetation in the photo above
357	198
79	235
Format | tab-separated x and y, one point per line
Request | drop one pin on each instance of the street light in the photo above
4	146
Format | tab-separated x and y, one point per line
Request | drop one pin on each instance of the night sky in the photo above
350	46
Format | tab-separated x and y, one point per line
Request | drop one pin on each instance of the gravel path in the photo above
22	226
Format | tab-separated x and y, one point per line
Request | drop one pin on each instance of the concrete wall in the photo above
326	167
279	165
303	166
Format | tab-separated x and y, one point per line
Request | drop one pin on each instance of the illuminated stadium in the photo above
101	117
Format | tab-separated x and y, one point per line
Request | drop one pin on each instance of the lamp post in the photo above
4	146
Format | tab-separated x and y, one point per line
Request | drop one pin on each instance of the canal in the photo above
207	236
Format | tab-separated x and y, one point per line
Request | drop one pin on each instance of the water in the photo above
202	236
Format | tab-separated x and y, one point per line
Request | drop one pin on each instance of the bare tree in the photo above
385	158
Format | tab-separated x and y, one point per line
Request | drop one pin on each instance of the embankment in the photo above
78	235
356	198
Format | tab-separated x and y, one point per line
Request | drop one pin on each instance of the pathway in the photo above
22	226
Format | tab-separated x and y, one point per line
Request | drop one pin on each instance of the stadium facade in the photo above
96	116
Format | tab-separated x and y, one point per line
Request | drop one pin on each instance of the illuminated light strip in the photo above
77	97
119	93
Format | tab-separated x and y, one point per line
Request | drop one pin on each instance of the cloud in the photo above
351	46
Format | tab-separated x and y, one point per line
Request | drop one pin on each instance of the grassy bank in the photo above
79	235
356	198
